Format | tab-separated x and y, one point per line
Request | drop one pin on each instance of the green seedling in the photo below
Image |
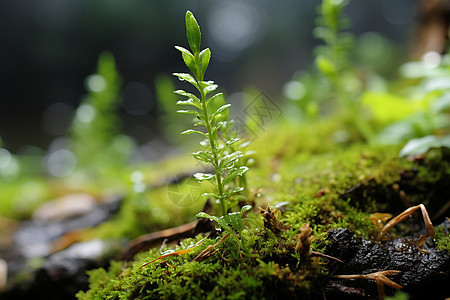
230	221
211	114
95	138
333	61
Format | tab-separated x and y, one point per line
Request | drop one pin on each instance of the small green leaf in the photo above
190	131
228	144
219	112
207	86
189	60
205	156
221	221
184	111
213	98
199	123
231	141
234	219
245	145
206	216
224	223
210	88
193	32
183	50
203	176
190	102
245	208
210	195
217	127
222	108
326	66
187	77
233	174
243	170
205	57
234	191
186	94
322	32
214	129
228	160
422	145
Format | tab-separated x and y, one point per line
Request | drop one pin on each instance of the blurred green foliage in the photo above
365	108
382	110
426	96
170	120
332	60
95	136
333	57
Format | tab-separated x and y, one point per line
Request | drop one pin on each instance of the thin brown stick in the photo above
405	214
380	279
402	216
427	221
150	240
326	256
207	250
179	252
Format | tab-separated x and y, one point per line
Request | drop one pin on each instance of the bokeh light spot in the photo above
61	163
137	176
432	59
294	90
234	27
85	113
95	83
5	158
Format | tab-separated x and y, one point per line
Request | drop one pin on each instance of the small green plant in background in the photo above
418	113
333	61
333	57
213	119
95	137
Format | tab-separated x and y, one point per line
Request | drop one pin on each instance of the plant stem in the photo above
223	204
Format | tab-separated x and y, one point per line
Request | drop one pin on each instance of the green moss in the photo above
442	239
398	296
220	276
327	188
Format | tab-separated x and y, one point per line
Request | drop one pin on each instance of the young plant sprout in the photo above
333	60
211	114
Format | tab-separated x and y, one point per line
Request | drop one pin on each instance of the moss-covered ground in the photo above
313	181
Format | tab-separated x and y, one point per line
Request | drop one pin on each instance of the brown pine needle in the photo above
179	252
402	216
207	251
326	256
379	277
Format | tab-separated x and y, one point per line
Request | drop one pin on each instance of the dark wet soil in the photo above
425	272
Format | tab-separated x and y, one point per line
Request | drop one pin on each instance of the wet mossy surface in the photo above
328	186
